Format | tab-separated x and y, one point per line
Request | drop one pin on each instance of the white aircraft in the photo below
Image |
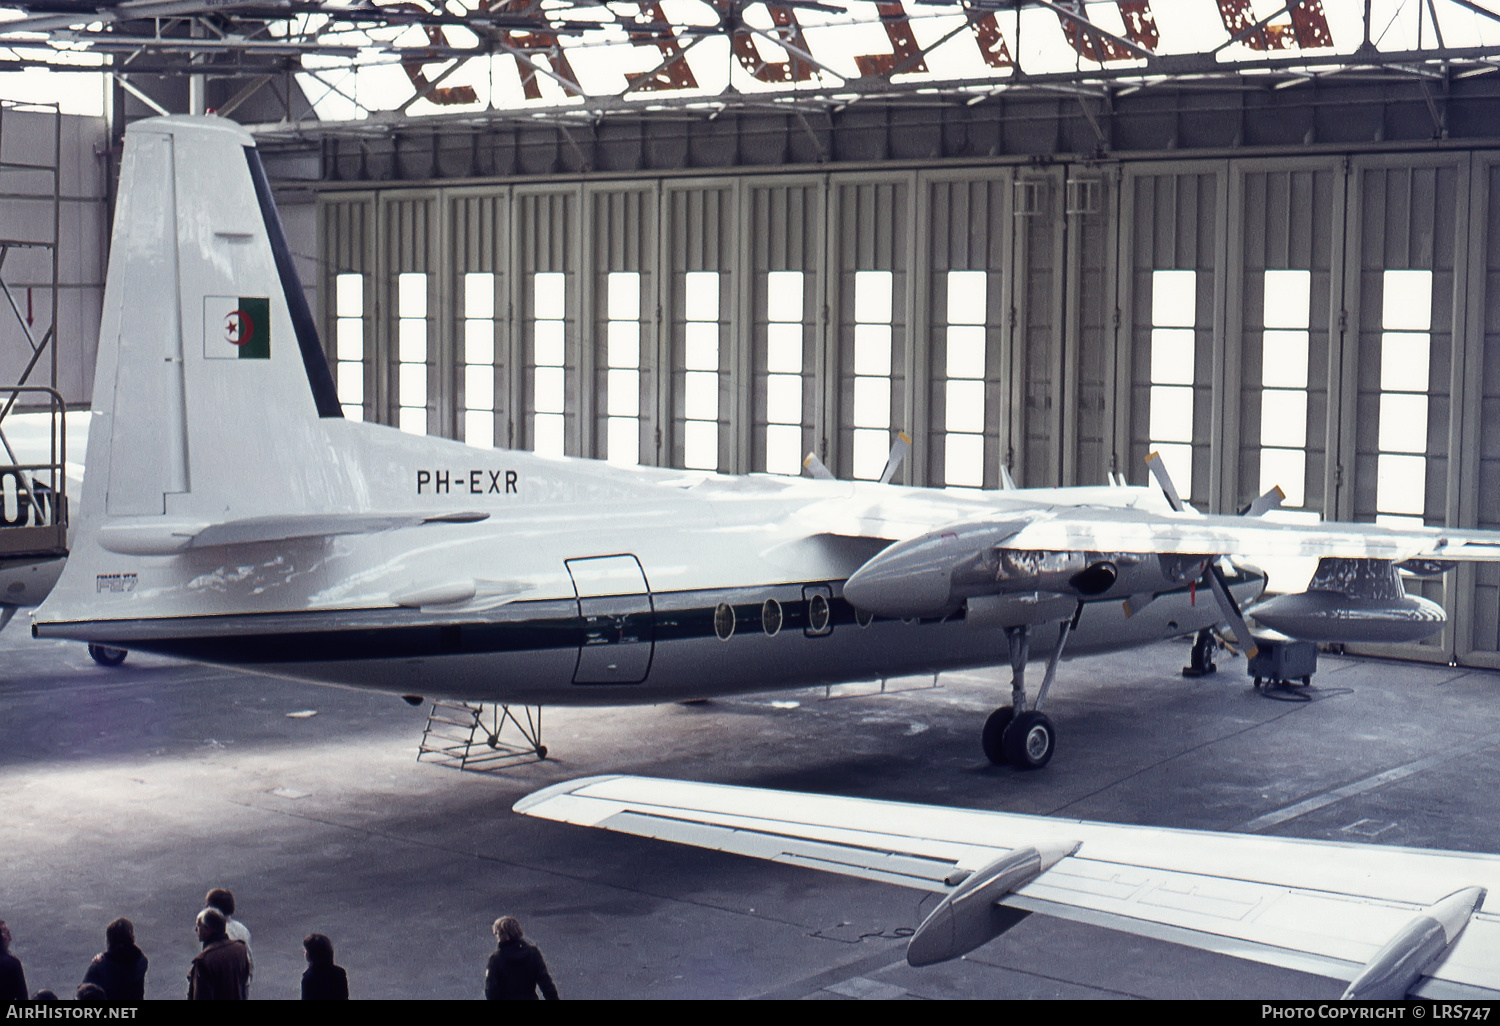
233	516
1394	922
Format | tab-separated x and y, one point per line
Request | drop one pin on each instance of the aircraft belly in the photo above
653	648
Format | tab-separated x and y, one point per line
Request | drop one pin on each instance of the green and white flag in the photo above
236	328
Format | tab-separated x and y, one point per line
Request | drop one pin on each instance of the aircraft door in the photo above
619	622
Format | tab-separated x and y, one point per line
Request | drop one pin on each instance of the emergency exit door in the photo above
619	623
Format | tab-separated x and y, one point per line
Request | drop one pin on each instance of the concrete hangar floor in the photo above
131	791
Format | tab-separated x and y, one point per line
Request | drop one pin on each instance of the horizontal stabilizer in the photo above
152	537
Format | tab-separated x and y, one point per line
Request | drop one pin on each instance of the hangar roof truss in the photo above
371	65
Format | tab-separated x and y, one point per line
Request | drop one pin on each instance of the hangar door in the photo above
619	622
1170	317
966	283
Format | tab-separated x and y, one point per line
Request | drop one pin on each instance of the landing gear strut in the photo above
1015	735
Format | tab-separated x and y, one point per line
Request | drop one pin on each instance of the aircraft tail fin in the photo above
210	382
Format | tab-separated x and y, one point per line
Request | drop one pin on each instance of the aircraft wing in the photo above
1333	909
1147	531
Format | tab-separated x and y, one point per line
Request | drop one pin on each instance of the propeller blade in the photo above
1267	502
898	453
1159	471
1231	610
815	467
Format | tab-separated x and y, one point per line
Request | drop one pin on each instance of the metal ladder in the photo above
466	736
33	492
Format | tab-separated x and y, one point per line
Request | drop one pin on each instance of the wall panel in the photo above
968	228
868	232
1405	214
700	235
1282	217
784	230
548	239
1069	256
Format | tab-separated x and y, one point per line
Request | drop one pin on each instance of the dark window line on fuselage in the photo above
542	634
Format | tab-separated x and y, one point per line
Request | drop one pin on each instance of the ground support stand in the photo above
482	737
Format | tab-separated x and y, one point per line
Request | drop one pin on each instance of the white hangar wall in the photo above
77	147
1320	322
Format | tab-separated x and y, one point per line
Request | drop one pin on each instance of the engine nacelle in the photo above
936	574
1329	616
1353	600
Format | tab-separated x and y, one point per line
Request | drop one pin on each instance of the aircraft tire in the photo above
993	738
106	656
1030	741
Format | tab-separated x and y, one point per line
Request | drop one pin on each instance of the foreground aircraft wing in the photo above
1394	921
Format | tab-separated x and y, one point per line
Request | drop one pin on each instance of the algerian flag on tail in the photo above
236	328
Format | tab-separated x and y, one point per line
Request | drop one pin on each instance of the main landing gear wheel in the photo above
993	737
106	656
1029	741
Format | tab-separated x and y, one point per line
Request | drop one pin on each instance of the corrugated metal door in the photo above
1476	588
621	303
1407	236
782	242
348	243
1038	269
413	349
1087	442
485	368
546	244
1283	294
966	241
869	242
1171	316
703	339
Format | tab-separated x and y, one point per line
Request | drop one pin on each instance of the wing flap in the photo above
1343	928
870	851
869	863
